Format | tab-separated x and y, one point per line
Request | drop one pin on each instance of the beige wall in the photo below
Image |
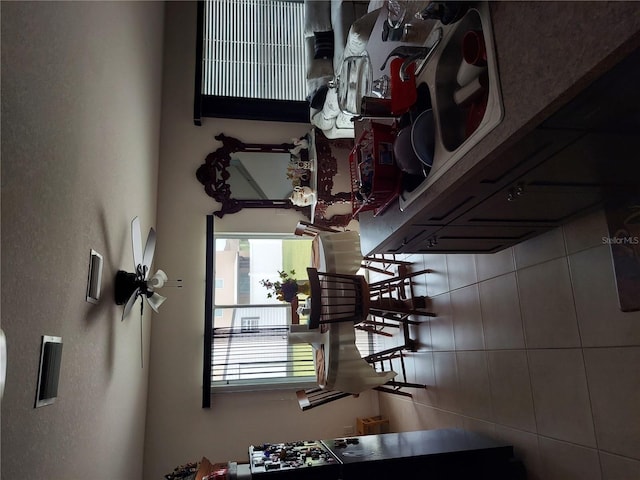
81	141
178	429
80	134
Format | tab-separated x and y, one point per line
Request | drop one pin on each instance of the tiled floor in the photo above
529	346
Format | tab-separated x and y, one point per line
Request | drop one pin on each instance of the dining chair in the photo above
311	229
317	396
385	360
337	297
394	299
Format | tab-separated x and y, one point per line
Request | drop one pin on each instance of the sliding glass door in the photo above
249	344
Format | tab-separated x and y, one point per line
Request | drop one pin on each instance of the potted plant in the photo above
286	288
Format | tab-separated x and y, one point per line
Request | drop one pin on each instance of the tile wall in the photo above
529	346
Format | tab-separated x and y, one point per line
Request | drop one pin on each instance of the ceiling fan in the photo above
130	286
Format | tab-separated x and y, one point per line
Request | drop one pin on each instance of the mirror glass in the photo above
259	176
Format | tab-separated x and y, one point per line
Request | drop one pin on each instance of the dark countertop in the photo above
413	444
547	53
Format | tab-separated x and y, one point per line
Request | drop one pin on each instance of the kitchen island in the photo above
567	74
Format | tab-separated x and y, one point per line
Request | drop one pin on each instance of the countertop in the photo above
547	53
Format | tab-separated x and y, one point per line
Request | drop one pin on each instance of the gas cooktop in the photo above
280	457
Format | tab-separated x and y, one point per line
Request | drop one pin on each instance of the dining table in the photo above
338	361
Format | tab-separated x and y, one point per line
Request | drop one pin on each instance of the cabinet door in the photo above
523	204
527	154
473	239
573	181
610	104
403	240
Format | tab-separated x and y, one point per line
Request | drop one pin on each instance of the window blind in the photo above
254	49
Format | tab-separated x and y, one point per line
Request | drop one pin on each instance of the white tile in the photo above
473	380
586	231
489	265
467	318
488	429
614	384
446	419
461	268
560	395
525	449
446	375
437	280
546	302
425	374
546	246
426	417
511	389
596	298
501	318
421	333
615	467
441	326
392	408
565	461
419	281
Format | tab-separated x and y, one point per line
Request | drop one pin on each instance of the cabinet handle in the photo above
515	192
519	190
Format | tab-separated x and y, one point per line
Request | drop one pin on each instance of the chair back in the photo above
337	298
309	229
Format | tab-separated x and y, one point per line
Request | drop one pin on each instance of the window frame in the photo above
210	306
213	106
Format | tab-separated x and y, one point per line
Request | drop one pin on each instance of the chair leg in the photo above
377	285
391	261
393	391
367	260
372	329
393	383
387	307
403	305
396	316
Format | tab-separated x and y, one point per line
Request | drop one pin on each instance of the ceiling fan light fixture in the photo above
157	280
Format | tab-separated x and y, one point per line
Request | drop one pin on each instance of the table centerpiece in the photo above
287	287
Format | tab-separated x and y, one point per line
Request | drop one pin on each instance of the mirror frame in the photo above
214	175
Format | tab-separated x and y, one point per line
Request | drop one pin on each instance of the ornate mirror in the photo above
255	175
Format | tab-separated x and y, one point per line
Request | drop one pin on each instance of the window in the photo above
245	339
251	60
246	342
249	324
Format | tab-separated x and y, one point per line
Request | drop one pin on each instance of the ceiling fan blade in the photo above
149	250
155	301
136	242
129	305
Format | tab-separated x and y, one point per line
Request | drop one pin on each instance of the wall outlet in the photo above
347	430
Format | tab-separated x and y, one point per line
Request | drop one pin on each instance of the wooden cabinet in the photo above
607	105
574	180
546	180
408	239
473	239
